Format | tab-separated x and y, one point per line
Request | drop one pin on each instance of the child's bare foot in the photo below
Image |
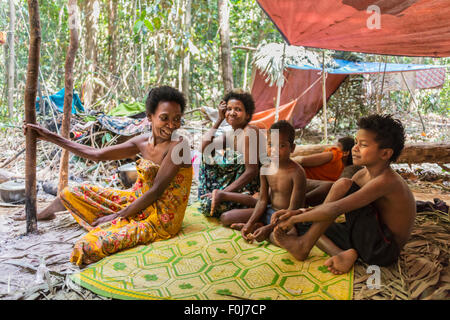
262	233
216	198
292	243
342	262
239	226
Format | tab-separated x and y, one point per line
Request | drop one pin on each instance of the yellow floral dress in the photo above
161	220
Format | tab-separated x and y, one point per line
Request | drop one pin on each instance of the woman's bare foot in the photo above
342	262
292	243
46	214
41	215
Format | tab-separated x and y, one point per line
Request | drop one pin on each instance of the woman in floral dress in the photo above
153	209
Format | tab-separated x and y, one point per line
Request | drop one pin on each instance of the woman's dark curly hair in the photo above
389	132
163	94
244	97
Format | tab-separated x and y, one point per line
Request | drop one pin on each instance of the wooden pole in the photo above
280	84
245	71
12	57
68	91
30	114
412	153
324	98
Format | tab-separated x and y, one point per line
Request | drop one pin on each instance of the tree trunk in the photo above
11	60
68	91
187	54
225	48
92	15
412	153
112	41
30	114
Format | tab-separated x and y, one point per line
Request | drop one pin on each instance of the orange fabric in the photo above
330	171
266	118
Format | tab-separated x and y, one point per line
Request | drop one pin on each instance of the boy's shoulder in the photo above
389	178
296	168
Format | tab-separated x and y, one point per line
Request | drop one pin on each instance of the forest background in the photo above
128	47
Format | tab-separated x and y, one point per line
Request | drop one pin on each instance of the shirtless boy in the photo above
378	205
284	189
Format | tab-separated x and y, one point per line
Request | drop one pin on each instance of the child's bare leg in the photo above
316	191
46	214
219	196
300	246
236	216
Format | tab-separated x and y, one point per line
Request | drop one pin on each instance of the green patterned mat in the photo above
206	261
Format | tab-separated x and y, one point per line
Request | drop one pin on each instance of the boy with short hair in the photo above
378	205
284	189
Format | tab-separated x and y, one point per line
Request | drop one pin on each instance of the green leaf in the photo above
149	25
157	23
138	26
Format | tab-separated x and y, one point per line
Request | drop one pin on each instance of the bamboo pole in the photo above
324	98
68	91
280	84
30	115
12	58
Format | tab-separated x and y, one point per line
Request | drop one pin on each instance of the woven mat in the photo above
206	261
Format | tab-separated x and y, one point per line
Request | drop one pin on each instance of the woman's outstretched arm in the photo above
116	152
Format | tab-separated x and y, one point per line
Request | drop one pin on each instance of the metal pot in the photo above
13	191
128	174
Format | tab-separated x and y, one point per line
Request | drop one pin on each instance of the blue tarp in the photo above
349	67
58	101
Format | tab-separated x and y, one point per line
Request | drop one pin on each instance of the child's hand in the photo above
281	215
286	225
246	232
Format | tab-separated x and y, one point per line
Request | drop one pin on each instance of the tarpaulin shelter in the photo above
300	78
57	101
393	27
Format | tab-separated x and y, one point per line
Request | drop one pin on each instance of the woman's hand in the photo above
222	111
41	133
105	219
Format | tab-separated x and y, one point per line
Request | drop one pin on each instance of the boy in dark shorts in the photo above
378	205
283	186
